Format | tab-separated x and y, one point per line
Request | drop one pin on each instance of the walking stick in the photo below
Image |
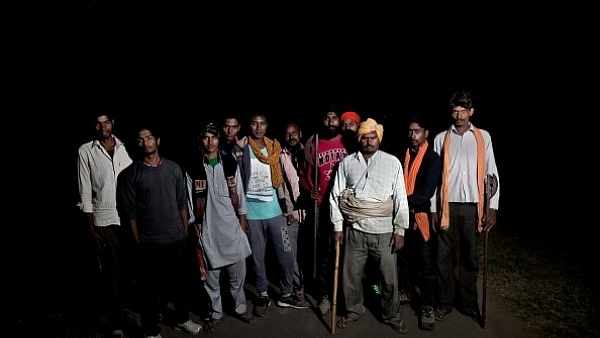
491	187
335	286
484	299
316	216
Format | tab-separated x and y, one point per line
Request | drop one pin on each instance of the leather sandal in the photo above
399	326
345	322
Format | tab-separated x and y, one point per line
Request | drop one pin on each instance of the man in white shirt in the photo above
99	163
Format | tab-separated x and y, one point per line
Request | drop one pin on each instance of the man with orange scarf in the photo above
467	158
268	204
422	173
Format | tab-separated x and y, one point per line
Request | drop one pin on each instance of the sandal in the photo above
345	321
399	326
210	325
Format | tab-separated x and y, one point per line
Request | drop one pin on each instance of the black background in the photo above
182	64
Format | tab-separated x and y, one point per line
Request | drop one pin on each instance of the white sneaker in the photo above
189	327
158	336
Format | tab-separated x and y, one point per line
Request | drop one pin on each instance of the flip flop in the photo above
399	326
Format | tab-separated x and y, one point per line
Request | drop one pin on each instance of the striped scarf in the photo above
445	221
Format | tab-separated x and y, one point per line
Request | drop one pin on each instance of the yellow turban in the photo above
368	126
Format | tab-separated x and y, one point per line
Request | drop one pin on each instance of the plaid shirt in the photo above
382	178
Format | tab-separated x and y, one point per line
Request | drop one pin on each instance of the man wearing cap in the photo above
368	203
220	217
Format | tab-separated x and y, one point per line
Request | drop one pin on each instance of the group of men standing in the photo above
239	197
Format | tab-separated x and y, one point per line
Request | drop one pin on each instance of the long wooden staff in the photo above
491	187
485	273
316	216
335	286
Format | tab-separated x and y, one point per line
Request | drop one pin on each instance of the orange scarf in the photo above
445	221
410	175
274	151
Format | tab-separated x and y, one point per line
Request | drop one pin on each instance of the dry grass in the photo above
555	293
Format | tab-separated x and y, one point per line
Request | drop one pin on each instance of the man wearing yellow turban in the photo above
368	202
369	126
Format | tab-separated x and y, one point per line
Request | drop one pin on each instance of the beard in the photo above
330	132
349	140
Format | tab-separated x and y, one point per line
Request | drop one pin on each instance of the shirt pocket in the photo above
377	188
221	188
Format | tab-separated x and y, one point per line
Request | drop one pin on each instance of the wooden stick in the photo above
335	286
316	218
491	187
485	273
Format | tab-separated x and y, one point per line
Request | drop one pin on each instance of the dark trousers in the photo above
421	267
457	258
163	276
109	264
325	254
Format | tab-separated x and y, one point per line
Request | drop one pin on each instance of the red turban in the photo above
350	115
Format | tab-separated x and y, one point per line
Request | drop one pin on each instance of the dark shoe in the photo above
298	295
293	302
210	325
261	306
442	312
246	317
427	322
474	315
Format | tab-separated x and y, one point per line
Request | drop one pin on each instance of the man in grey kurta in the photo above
220	210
